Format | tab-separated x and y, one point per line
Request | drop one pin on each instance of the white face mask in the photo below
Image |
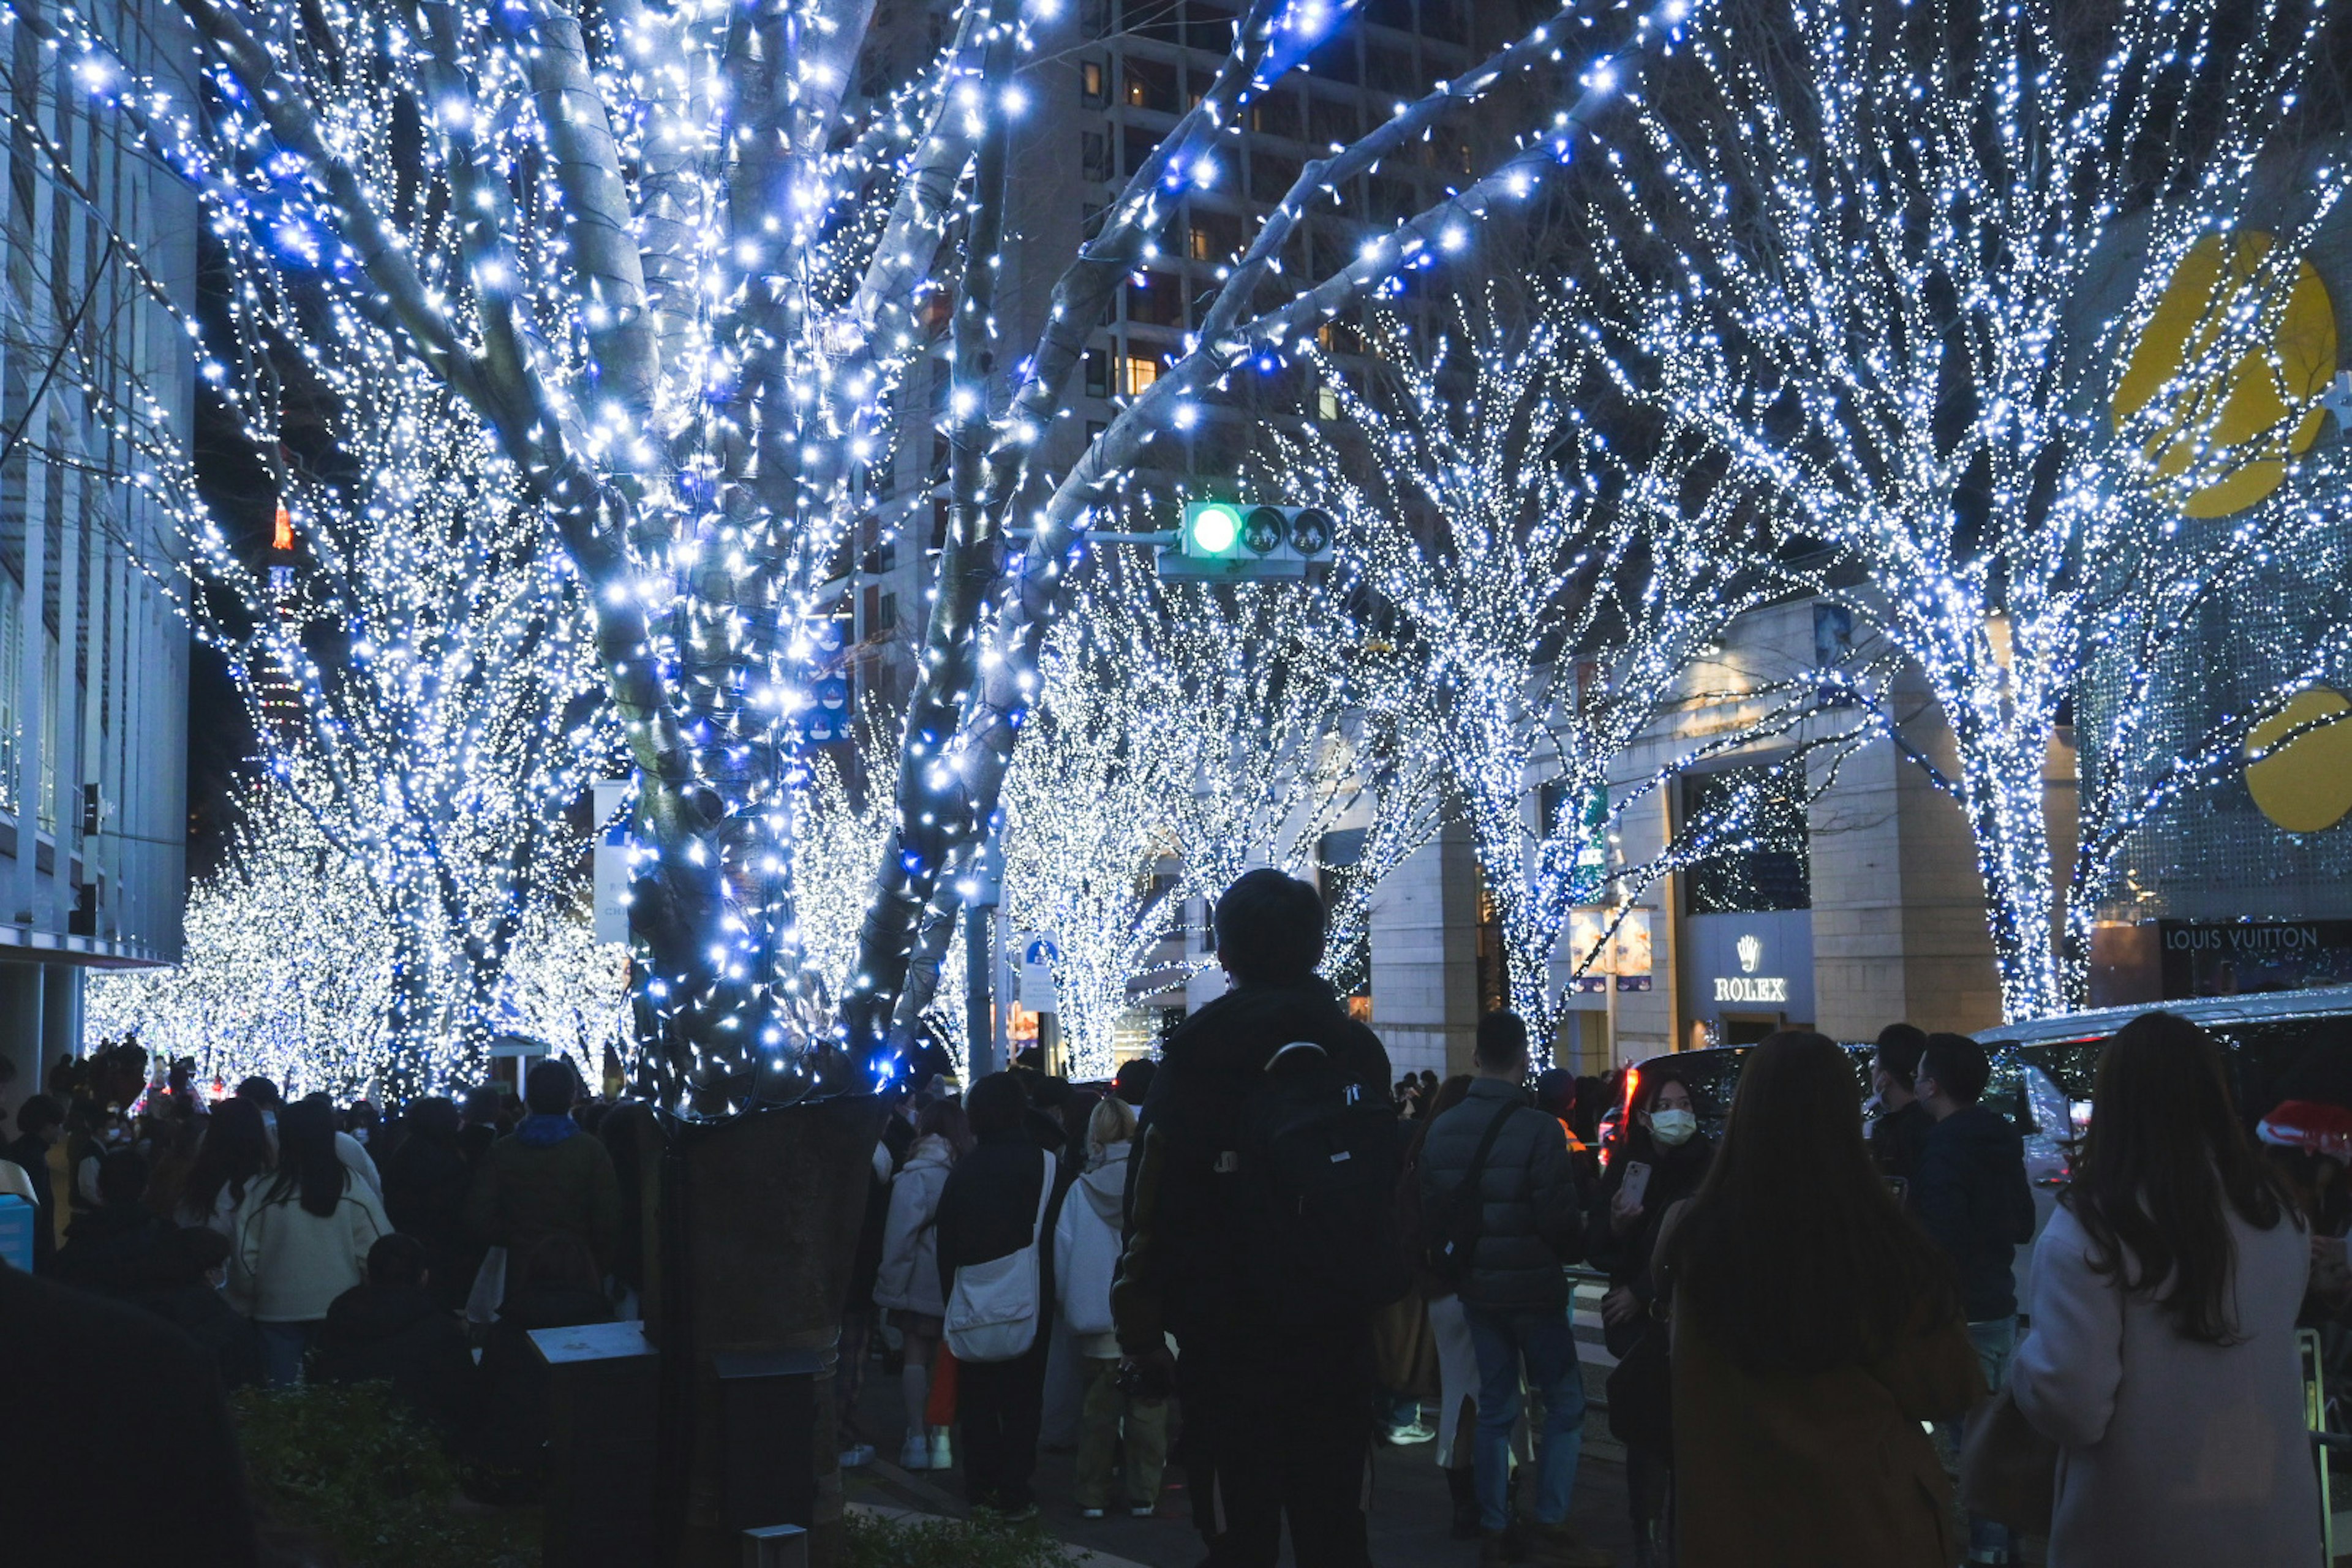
1673	1129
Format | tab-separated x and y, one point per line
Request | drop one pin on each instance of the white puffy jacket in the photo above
908	1279
1087	1242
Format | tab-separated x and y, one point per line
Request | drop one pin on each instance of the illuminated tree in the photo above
679	272
1089	848
1559	604
287	967
2008	307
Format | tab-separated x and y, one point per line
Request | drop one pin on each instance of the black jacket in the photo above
1531	1223
1674	1176
121	1249
1179	1271
34	1156
1896	1139
989	1204
1971	1194
200	1311
401	1335
81	1374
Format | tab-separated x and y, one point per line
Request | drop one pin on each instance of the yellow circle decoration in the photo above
2224	441
2307	784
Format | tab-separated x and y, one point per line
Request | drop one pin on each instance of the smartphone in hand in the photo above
1637	1181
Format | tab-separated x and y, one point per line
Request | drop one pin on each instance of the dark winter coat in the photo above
202	1313
1179	1271
1674	1174
401	1335
122	1250
426	1185
987	1206
34	1155
524	1193
1896	1139
1530	1221
85	1378
1971	1194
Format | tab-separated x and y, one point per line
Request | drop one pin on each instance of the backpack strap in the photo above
1485	1147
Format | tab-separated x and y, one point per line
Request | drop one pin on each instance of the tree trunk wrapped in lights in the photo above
2005	303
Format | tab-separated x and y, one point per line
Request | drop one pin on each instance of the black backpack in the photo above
1311	1187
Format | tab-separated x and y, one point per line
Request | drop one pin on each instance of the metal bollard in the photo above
775	1546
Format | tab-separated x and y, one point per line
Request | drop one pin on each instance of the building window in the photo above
1332	119
1213	237
1137	143
1760	861
1209	27
1141	371
1091	84
1389	70
1158	301
1150	84
1094	151
1097	373
1276	114
1272	176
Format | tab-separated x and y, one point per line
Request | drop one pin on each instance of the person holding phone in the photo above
1665	1159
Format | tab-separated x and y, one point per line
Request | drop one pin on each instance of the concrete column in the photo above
60	1010
20	1034
1424	935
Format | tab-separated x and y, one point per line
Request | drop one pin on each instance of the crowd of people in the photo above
295	1241
1805	1307
1253	1261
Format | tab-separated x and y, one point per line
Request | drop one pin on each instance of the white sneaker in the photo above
856	1456
1092	1513
942	1456
1143	1511
915	1453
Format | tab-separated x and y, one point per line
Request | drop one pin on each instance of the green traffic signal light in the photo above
1215	527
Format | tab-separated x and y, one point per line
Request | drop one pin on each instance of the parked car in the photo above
2023	1089
2262	1033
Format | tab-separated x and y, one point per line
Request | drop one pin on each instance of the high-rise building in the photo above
1108	81
93	659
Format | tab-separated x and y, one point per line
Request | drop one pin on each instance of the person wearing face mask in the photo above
1664	1161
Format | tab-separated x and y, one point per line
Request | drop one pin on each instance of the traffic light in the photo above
1237	539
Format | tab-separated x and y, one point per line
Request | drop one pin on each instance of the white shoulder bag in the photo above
993	1311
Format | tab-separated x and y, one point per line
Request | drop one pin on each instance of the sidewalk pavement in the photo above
1410	1514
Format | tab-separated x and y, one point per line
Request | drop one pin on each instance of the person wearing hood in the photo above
116	1248
392	1330
906	1284
548	1178
1971	1192
1086	1259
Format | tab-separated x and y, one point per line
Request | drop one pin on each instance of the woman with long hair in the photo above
234	1154
1665	1160
907	1285
2162	1356
303	1239
1814	1328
